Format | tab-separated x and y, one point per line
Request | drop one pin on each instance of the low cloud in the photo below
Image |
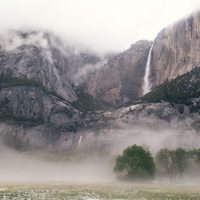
101	25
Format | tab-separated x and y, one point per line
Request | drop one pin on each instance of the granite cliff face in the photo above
39	80
120	79
37	89
47	86
44	58
176	49
31	117
175	52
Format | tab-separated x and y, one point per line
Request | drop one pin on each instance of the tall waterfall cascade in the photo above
146	83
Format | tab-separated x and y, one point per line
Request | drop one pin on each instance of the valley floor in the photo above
114	191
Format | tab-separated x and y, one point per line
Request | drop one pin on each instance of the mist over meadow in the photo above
91	156
84	82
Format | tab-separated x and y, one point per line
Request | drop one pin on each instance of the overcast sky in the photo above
100	24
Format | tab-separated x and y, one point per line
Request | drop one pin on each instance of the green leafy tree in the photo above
173	162
135	162
164	161
181	160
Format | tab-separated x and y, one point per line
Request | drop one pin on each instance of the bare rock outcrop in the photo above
120	80
45	58
176	49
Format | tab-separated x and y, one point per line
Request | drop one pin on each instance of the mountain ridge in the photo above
50	91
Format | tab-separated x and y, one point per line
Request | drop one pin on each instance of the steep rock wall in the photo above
176	49
120	80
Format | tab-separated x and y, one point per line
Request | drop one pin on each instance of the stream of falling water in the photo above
80	140
146	83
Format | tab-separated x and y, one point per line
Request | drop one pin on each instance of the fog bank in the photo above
93	157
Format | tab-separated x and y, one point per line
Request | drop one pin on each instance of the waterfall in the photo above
146	83
80	140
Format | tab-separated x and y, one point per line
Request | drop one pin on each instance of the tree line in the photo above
137	163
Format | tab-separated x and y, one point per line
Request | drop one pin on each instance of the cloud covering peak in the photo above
104	25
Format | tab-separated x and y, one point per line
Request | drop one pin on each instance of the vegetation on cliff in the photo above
181	90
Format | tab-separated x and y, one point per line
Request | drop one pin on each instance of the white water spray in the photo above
80	140
146	84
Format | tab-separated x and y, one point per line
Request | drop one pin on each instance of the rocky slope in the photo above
175	52
44	87
31	116
182	90
174	101
37	89
49	91
43	57
120	80
176	49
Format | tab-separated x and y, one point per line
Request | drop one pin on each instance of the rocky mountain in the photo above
46	87
120	79
44	58
50	91
176	49
175	52
37	91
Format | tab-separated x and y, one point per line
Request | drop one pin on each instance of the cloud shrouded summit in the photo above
102	25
